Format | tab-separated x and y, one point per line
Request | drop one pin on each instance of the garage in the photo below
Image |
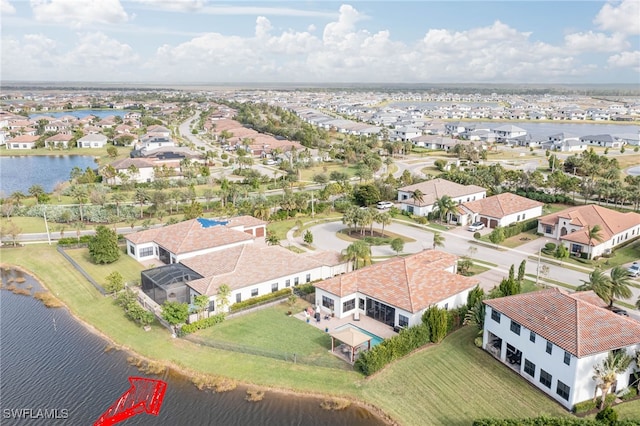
493	223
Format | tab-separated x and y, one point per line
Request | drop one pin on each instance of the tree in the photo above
115	282
561	252
12	231
475	315
38	192
112	151
444	206
474	296
619	284
509	287
272	239
436	320
201	302
308	237
383	218
522	270
594	233
103	246
606	372
356	252
418	197
497	235
193	210
175	312
141	196
79	193
599	284
438	240
397	244
512	272
224	292
464	266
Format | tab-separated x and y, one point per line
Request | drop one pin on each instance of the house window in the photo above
529	368
147	251
563	390
403	321
567	358
548	229
274	287
254	292
524	215
549	347
518	218
532	336
287	283
308	278
212	305
132	250
327	302
296	281
238	297
495	315
515	327
155	250
349	305
361	304
545	378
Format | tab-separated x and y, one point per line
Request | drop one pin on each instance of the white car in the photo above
476	226
384	205
634	269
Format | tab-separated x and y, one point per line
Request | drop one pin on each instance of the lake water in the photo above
50	361
20	172
81	113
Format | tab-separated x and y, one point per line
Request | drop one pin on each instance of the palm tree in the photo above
594	233
438	240
383	218
141	196
599	284
606	373
445	205
224	292
79	193
357	251
118	197
418	197
620	282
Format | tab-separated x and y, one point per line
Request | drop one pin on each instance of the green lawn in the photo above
272	330
521	238
629	410
128	267
28	225
307	174
452	384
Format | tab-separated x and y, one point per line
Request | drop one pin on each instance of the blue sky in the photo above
206	41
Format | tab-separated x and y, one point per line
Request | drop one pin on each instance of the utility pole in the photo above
312	210
46	225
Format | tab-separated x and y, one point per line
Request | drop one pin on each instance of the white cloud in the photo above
6	8
77	13
174	5
621	17
596	42
625	60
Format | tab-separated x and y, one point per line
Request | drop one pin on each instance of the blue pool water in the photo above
375	339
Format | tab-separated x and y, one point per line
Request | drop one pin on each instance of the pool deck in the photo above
366	323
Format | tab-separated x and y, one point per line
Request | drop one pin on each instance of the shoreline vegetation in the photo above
202	380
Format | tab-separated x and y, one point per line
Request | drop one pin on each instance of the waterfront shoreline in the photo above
189	374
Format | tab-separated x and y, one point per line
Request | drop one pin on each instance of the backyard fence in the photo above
82	271
150	305
282	356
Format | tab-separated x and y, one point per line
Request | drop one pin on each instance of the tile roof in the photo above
246	265
612	222
189	236
501	205
569	321
436	188
411	283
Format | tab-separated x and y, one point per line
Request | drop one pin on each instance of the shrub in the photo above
628	393
549	247
607	416
201	324
259	299
436	320
477	235
584	406
306	288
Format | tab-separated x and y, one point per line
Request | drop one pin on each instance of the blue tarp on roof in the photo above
208	223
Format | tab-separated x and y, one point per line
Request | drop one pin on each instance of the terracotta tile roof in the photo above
612	222
246	221
60	137
24	138
125	163
436	188
568	321
189	236
246	265
411	283
501	205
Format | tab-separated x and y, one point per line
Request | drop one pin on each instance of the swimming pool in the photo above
375	339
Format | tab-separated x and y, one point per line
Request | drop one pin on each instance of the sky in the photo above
213	41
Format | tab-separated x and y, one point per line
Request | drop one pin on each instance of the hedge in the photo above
545	198
547	421
590	405
305	288
518	227
391	349
201	324
260	299
84	239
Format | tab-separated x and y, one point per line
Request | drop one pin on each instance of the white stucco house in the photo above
92	140
507	132
397	291
553	339
498	210
138	169
22	142
570	227
434	189
604	140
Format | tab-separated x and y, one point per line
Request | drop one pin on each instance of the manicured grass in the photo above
477	269
355	235
28	225
453	383
521	238
128	267
528	286
307	174
272	330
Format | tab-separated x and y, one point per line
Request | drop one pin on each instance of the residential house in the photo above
397	291
92	140
406	133
508	132
60	140
434	189
22	142
571	227
553	339
498	210
138	170
604	140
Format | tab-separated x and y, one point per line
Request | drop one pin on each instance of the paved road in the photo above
458	241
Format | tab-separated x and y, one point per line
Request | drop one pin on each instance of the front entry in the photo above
381	312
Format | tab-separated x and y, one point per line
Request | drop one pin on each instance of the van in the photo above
382	205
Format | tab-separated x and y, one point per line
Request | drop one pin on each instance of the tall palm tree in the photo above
599	284
438	240
595	234
620	282
357	251
418	197
224	292
606	373
445	205
383	218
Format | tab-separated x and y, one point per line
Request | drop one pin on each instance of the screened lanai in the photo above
168	283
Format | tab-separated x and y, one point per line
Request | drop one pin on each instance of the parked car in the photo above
634	269
384	205
476	226
270	162
619	311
